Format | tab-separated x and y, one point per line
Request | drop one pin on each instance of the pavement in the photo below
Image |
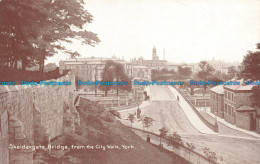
222	121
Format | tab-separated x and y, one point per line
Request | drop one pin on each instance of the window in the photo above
229	97
233	112
232	97
225	108
225	94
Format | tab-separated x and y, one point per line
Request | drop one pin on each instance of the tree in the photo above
191	147
184	72
164	71
255	96
174	140
231	72
107	75
37	28
147	122
212	156
172	71
154	74
120	75
206	71
223	76
251	64
163	133
115	72
131	118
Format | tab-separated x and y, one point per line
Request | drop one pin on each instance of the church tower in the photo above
154	55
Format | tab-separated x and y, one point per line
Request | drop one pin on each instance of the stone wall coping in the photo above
10	88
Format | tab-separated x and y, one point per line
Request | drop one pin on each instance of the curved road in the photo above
167	112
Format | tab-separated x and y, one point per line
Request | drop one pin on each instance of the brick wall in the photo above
243	121
24	108
217	104
242	99
229	118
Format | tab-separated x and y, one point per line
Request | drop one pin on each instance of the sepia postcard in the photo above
129	81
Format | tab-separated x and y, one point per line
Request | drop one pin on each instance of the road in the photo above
166	111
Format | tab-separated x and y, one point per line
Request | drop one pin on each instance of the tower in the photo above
154	55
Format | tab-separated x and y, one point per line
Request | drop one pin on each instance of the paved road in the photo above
166	111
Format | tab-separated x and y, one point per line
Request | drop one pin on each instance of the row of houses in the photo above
233	104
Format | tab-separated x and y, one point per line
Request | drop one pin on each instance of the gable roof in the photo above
245	109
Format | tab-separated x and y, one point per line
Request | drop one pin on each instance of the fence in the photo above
182	151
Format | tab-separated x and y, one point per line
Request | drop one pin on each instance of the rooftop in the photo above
218	89
245	108
239	87
93	59
140	66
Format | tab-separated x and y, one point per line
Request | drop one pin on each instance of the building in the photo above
91	68
237	106
258	120
217	100
155	63
87	68
142	73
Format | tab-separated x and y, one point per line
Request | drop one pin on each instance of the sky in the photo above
188	30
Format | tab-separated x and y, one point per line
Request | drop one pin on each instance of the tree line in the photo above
166	74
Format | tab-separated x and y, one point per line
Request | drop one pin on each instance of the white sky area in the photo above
188	30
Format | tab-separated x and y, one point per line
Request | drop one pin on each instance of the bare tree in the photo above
147	122
174	140
163	133
191	147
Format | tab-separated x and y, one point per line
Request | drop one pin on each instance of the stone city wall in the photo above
27	109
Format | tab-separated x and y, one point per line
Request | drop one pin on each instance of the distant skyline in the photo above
189	31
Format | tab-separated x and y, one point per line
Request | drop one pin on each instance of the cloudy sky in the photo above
188	30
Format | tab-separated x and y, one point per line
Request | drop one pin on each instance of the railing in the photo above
188	154
211	126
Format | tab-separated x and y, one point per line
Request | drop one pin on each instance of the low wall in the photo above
243	121
199	122
229	118
182	151
26	109
258	124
